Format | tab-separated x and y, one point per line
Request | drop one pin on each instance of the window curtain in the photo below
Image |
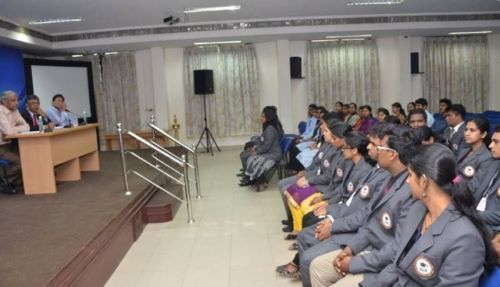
457	68
346	71
234	107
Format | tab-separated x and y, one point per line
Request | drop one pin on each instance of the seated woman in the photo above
335	170
442	242
265	156
473	163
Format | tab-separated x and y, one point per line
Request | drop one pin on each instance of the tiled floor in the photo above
235	241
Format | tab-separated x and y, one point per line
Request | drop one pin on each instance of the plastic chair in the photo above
286	143
493	279
302	127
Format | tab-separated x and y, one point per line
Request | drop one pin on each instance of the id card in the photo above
481	206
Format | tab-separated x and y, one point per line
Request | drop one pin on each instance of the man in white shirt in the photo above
11	122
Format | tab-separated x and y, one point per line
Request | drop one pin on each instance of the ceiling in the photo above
116	14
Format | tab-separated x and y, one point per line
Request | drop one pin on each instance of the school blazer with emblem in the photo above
338	170
327	159
380	228
450	253
473	169
349	181
366	189
491	214
457	142
316	161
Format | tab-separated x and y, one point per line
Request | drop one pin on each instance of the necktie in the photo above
35	123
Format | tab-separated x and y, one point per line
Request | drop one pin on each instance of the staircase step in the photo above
163	207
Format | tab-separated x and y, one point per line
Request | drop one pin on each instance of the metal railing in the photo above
191	150
183	179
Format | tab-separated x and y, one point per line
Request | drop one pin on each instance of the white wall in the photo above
276	87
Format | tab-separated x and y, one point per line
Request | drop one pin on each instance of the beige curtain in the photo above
457	68
346	71
233	109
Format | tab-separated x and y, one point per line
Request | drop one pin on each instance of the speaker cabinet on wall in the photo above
203	82
414	63
296	67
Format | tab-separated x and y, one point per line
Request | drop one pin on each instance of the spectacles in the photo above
347	148
379	147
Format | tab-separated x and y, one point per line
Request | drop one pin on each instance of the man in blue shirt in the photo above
311	122
58	112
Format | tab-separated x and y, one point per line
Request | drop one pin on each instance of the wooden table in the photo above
59	155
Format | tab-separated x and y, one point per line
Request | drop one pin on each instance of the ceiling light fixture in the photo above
469	33
373	2
77	56
216	43
349	36
55	21
213	9
110	53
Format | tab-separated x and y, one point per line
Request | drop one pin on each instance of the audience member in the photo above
473	163
353	118
440	124
410	107
453	136
399	112
442	242
345	112
421	103
33	111
264	156
367	120
382	113
424	135
417	118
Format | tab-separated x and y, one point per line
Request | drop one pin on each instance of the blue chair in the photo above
286	143
493	280
302	127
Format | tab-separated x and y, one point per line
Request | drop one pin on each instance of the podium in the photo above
60	155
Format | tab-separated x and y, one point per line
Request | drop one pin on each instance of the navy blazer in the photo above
29	120
450	253
490	188
457	142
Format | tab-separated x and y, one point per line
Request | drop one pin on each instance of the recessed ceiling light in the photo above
373	2
469	33
337	40
77	56
110	53
213	9
217	43
349	36
55	21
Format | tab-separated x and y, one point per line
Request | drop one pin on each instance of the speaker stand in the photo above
206	131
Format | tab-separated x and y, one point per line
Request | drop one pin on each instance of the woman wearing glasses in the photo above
473	163
442	242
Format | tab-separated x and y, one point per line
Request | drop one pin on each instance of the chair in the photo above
5	185
492	279
302	127
286	143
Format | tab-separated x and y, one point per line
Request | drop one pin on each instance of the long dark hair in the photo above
401	110
271	120
483	125
437	162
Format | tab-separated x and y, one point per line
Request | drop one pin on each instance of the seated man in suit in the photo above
453	136
11	122
33	111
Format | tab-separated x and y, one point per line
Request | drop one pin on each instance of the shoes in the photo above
261	187
293	247
241	174
287	228
291	236
284	222
284	271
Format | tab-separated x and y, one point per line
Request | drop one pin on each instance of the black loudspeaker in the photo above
414	63
296	67
203	82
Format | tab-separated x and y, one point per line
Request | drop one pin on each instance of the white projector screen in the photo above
47	78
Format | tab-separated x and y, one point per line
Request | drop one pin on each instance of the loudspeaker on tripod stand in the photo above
204	85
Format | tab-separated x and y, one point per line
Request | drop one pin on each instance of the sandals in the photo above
284	272
293	247
291	236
